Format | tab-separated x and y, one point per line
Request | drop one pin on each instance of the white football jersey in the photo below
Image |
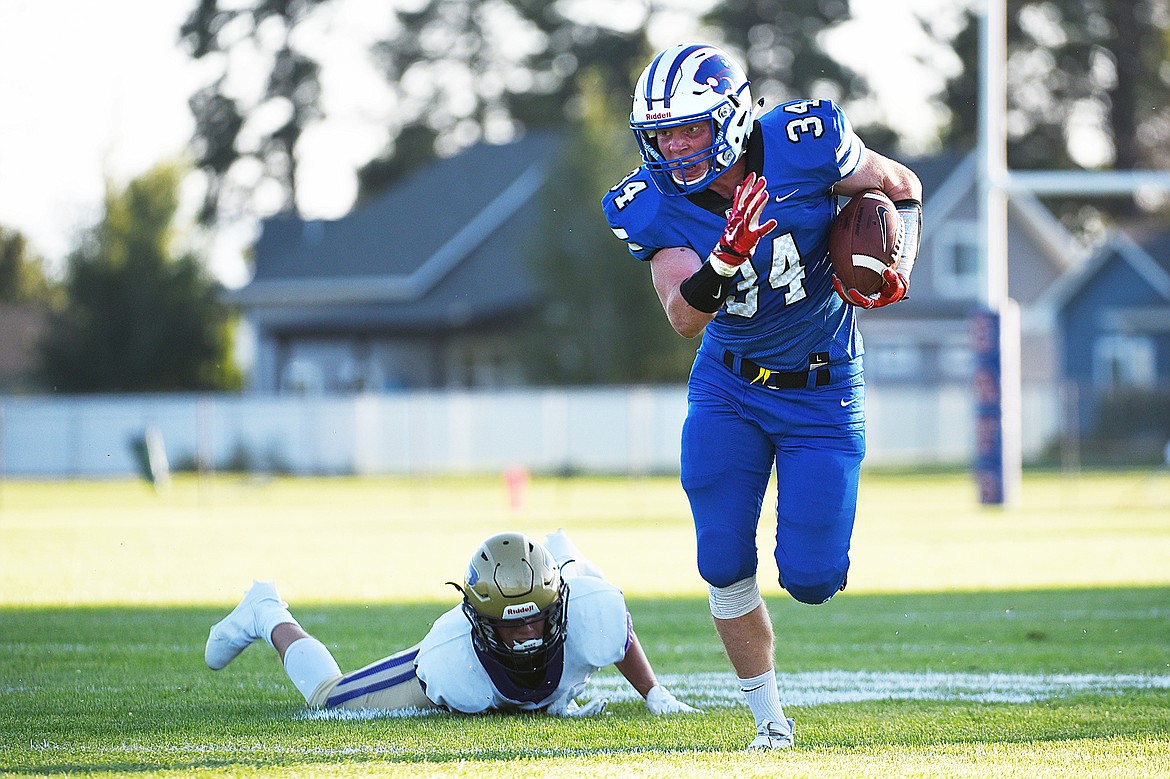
595	636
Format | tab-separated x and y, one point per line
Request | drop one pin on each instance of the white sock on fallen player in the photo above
308	663
763	697
267	620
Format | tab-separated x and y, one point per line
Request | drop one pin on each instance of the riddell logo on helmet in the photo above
520	610
659	115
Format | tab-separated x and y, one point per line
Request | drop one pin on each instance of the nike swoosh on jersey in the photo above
782	198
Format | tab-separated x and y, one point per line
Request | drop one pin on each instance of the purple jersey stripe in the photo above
339	698
386	665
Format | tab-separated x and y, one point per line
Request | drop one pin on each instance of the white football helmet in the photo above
511	581
683	85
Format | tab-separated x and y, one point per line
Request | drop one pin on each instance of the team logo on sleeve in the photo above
717	74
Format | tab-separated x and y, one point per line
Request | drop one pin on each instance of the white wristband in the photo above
911	216
721	267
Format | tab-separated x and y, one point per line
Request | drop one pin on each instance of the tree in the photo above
601	320
22	275
25	296
463	70
1087	87
138	318
782	53
285	105
779	42
458	71
1073	64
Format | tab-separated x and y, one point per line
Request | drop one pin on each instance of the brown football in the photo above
864	240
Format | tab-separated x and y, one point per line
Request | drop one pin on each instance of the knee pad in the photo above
734	600
723	560
814	594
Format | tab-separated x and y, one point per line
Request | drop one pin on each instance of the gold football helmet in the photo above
513	581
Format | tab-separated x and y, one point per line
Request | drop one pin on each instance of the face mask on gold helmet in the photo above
512	581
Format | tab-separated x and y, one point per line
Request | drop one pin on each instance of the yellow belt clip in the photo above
763	376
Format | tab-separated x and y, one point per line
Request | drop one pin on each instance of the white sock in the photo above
270	618
308	663
763	697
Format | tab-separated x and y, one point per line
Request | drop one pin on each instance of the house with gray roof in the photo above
425	286
418	287
1113	320
926	340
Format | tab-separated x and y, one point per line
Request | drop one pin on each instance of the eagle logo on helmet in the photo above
717	74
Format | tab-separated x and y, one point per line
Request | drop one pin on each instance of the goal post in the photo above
999	444
995	328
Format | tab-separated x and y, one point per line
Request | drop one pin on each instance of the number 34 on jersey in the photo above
785	273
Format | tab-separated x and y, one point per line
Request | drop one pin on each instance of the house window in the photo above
1124	362
301	377
957	262
956	361
482	362
893	361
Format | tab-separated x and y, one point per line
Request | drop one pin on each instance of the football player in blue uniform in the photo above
732	208
536	622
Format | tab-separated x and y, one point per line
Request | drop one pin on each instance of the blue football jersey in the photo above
782	307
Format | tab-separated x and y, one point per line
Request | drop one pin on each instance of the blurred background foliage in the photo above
457	72
138	315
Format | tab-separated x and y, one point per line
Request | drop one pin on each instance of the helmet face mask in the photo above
685	85
511	582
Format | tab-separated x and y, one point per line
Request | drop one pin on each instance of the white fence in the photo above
598	430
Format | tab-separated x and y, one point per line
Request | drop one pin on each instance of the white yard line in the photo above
816	688
821	687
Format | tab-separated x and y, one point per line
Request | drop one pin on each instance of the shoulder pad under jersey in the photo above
630	208
817	134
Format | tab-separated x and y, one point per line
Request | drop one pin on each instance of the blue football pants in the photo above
733	435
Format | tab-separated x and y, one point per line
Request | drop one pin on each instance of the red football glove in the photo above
743	230
893	289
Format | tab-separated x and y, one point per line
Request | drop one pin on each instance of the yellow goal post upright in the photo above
996	328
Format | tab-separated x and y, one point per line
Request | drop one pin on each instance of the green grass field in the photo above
971	642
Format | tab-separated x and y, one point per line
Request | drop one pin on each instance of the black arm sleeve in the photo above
705	290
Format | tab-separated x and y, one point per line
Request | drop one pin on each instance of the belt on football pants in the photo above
818	366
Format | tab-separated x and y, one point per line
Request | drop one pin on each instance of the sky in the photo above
97	89
89	90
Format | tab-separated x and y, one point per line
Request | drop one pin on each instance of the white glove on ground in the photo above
566	706
660	701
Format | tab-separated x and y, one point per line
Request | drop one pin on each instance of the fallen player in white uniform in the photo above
536	622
